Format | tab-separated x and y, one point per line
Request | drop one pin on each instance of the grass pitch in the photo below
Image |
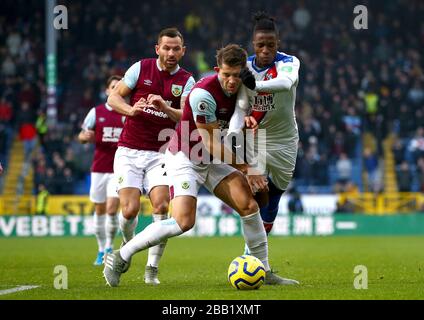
196	268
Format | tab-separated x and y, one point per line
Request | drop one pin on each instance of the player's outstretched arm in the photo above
287	77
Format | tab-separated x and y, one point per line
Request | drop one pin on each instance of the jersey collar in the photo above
259	70
108	107
172	72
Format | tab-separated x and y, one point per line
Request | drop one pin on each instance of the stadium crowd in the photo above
351	81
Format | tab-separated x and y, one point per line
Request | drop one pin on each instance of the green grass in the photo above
196	268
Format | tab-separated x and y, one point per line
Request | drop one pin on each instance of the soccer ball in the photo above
246	273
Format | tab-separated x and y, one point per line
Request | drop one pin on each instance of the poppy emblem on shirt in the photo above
176	90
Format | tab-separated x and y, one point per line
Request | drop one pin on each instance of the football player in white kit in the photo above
271	78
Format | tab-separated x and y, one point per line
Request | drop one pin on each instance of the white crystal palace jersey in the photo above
272	103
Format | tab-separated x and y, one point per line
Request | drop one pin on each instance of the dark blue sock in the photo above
269	213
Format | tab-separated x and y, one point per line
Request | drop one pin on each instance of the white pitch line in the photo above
17	289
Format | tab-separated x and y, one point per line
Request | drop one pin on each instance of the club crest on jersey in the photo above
268	76
176	90
185	185
101	119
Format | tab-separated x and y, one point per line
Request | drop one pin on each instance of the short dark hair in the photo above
263	22
170	32
232	55
111	78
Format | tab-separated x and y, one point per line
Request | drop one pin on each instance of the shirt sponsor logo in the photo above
111	134
155	113
264	102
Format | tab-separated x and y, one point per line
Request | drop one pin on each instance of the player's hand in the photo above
157	102
251	123
257	183
89	135
248	78
138	107
1	169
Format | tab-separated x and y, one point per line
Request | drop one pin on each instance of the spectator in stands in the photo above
50	181
416	147
344	169
68	182
420	166
41	200
404	177
41	126
398	151
371	168
27	131
294	204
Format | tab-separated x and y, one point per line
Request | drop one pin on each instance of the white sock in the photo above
152	235
156	252
111	227
127	227
100	231
255	237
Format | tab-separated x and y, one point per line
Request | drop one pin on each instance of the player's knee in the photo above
130	209
186	224
249	207
161	208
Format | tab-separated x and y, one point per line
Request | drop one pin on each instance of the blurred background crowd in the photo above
357	87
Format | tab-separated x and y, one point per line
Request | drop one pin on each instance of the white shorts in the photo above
280	165
139	169
103	185
186	178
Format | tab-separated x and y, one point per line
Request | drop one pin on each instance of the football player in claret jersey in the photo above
156	88
103	126
207	110
271	78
